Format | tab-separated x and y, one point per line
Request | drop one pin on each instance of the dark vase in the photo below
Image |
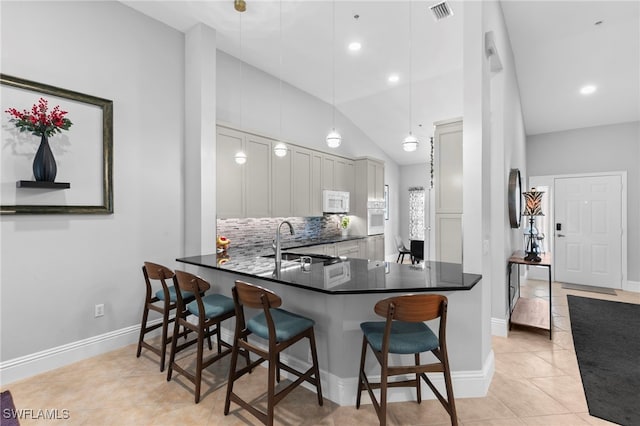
44	165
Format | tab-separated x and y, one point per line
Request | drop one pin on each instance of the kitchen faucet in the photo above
277	245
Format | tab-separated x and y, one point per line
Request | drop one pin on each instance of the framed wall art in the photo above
57	150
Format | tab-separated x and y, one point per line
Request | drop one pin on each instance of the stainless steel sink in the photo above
315	258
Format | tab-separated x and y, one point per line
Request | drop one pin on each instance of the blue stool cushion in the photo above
287	324
405	338
172	294
214	305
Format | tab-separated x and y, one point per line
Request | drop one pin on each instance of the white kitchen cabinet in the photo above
348	249
447	169
258	173
319	249
344	175
307	182
375	247
229	174
328	171
243	190
281	185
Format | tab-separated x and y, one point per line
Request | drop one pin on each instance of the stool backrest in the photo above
413	307
185	281
156	272
254	296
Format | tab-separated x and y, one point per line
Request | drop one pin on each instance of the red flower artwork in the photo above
38	121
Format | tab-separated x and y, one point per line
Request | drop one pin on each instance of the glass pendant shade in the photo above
240	157
280	149
410	143
334	139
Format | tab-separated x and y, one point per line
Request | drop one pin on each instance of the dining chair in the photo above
404	332
281	329
402	249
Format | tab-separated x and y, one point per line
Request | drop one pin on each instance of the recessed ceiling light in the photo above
355	46
588	89
393	78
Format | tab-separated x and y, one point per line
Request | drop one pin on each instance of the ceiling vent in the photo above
441	11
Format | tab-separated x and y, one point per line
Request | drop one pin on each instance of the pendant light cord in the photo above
280	65
333	63
410	66
241	81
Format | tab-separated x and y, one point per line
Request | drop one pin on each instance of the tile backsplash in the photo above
262	231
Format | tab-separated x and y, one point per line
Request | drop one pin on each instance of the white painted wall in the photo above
251	99
507	150
55	268
590	150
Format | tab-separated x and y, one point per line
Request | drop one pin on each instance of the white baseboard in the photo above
43	361
633	286
343	391
499	327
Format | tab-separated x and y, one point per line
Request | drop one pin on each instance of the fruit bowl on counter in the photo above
222	244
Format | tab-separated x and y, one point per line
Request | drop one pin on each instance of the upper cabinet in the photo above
229	175
268	185
307	182
447	170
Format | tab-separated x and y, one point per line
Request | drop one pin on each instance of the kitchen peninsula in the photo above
339	293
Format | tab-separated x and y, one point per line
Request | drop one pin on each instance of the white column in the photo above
200	141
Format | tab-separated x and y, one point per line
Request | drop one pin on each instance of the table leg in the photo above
550	307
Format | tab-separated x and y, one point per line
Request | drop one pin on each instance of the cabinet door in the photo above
344	176
319	249
301	182
316	184
348	249
229	174
371	180
379	242
328	172
379	181
281	167
258	176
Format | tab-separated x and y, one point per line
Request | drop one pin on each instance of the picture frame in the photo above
84	153
386	202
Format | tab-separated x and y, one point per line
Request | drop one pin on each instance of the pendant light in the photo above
240	5
240	156
410	143
280	149
333	138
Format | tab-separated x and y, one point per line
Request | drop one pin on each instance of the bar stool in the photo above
404	332
211	310
163	302
282	329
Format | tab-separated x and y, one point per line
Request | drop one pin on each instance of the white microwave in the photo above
335	201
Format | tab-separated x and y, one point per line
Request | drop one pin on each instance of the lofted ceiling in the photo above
557	49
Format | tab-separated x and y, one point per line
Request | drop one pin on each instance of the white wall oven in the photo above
375	217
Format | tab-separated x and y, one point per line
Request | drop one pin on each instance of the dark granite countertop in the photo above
333	275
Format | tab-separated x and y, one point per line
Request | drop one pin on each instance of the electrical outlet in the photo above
99	310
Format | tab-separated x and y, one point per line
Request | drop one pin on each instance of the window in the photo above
416	213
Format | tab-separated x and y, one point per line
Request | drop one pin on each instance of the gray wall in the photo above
55	268
590	150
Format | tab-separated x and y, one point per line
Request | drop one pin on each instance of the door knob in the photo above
561	235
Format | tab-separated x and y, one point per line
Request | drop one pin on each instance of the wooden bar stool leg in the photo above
165	333
361	373
418	388
271	383
314	358
143	328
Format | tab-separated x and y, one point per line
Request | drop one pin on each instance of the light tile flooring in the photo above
537	382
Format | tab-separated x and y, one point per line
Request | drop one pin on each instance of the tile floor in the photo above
536	382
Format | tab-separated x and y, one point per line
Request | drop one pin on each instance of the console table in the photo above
526	311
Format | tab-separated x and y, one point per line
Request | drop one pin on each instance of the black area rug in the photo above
606	336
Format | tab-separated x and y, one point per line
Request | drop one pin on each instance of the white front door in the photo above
588	230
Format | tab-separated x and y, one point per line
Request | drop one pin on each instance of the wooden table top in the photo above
518	257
